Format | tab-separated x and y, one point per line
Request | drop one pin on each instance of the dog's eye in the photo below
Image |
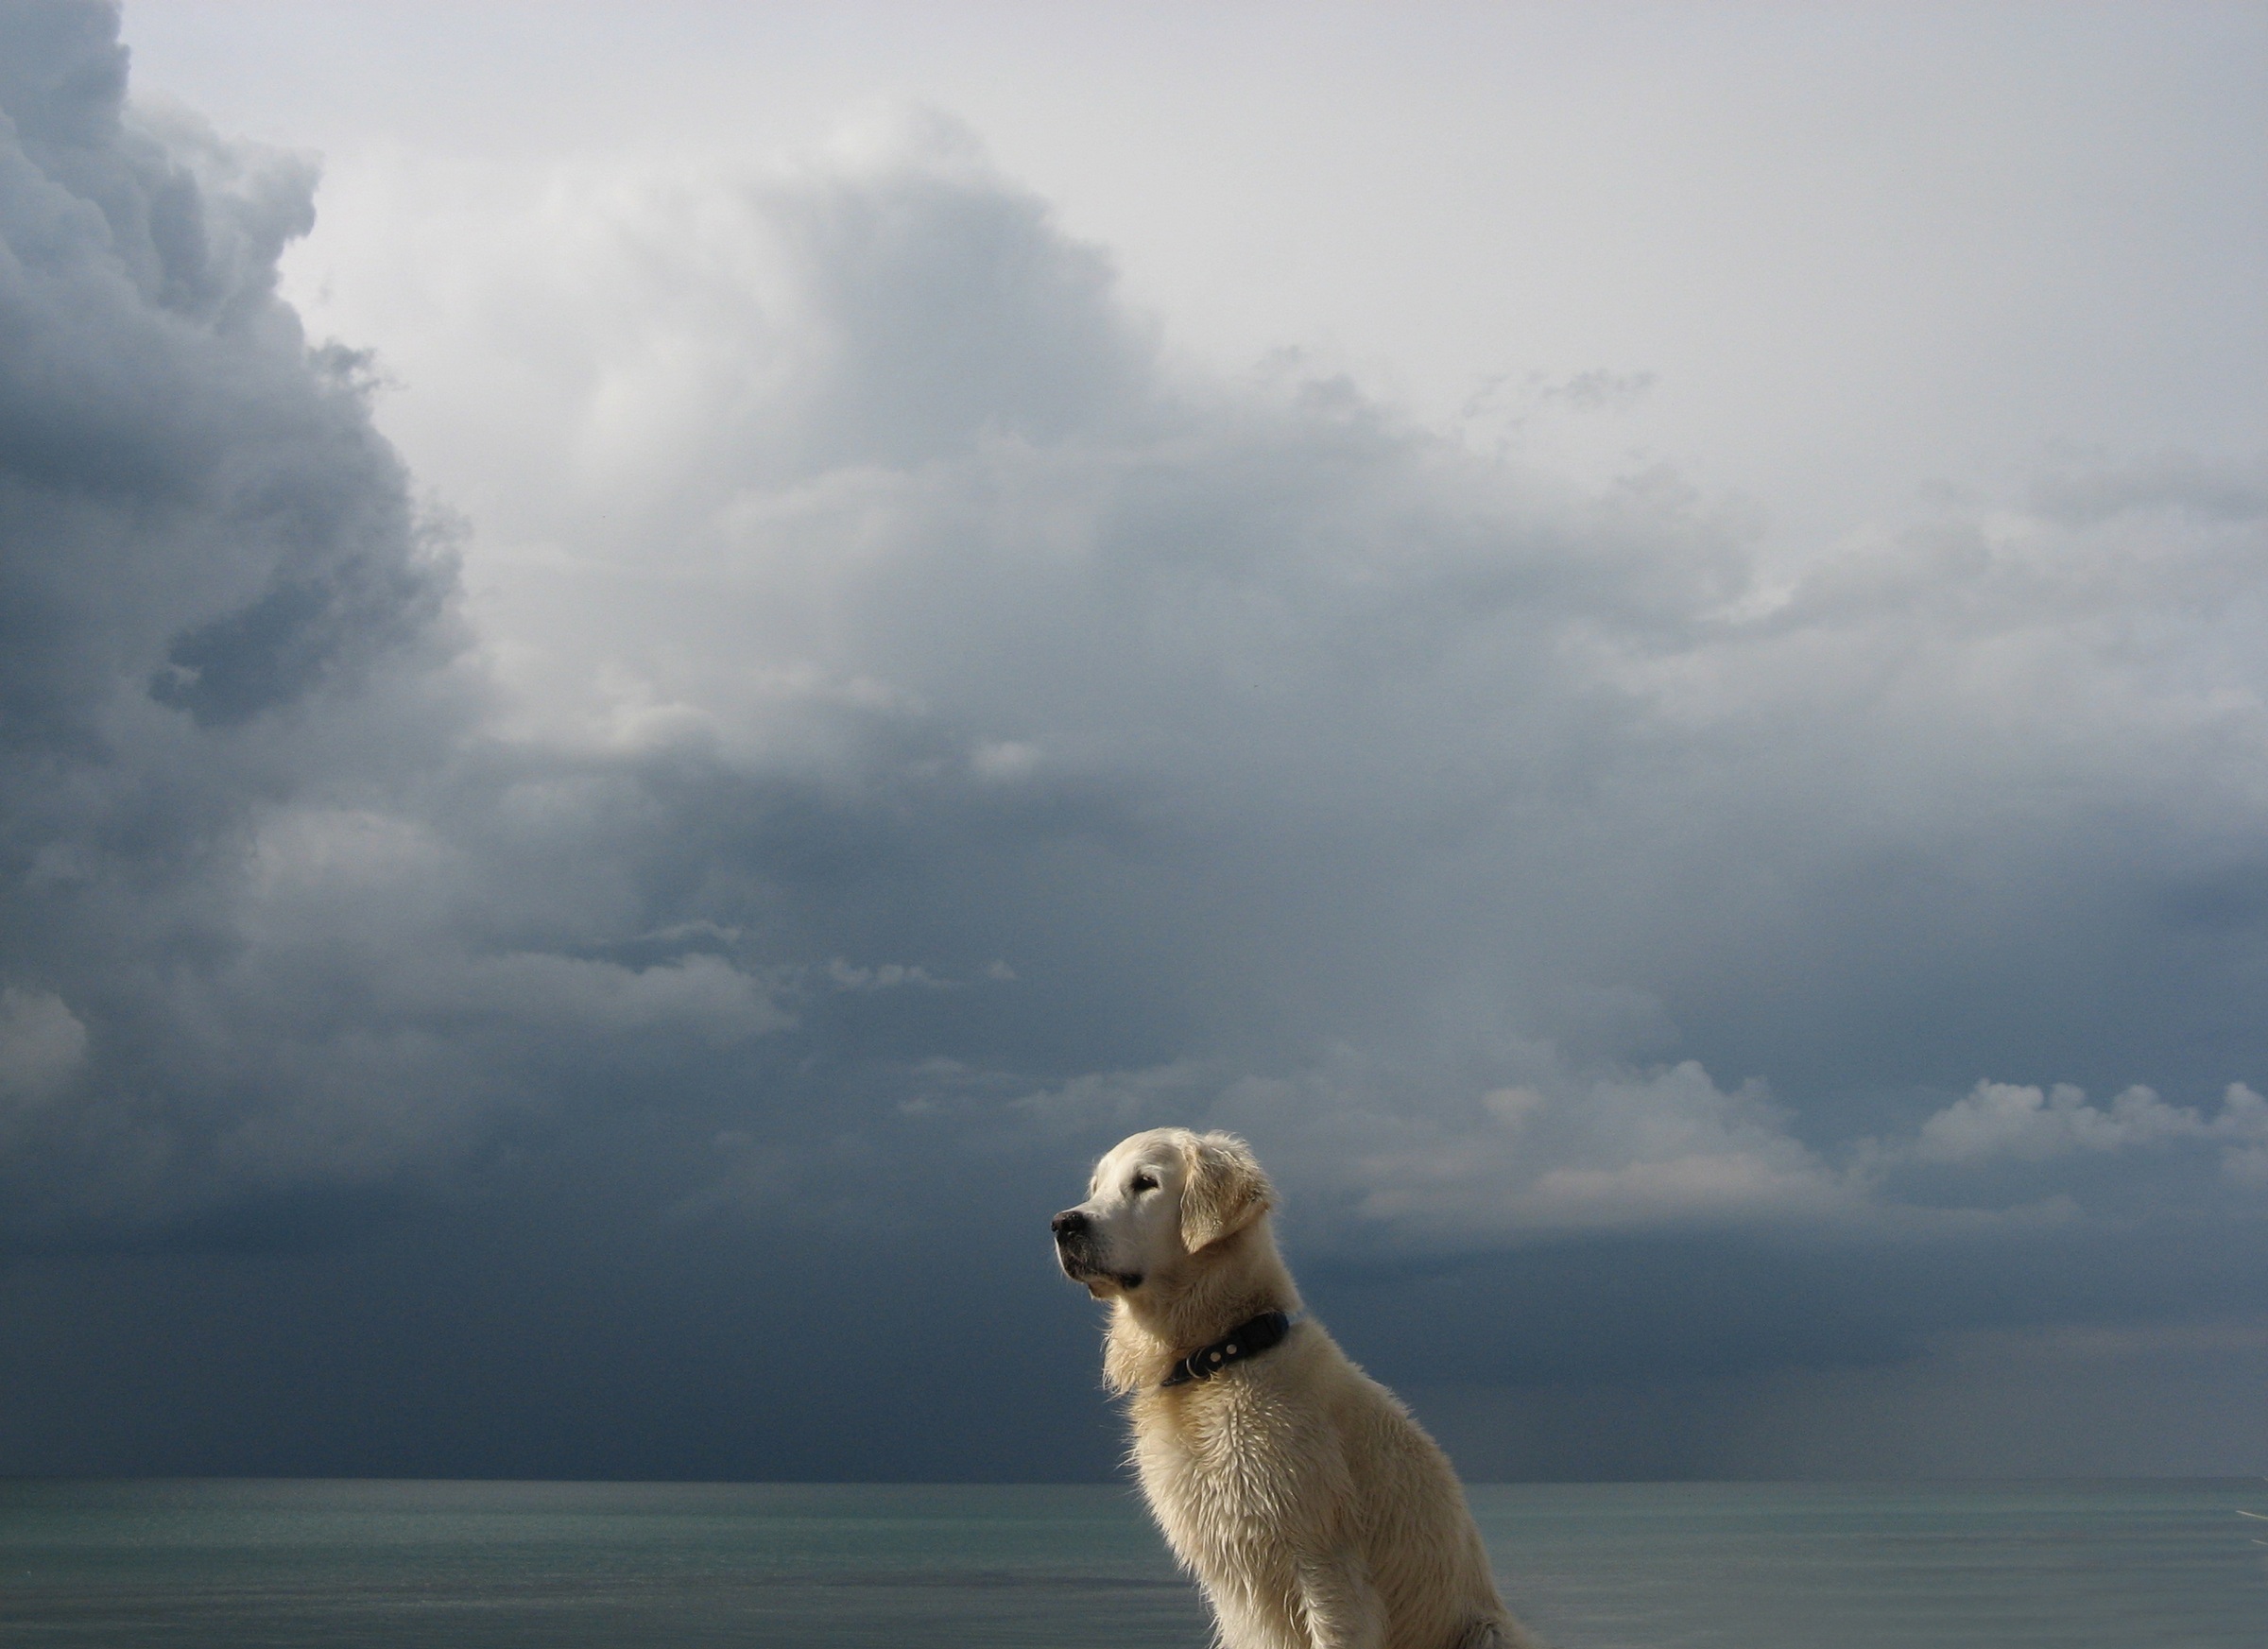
1143	1182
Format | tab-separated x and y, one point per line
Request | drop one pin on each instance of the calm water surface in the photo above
234	1565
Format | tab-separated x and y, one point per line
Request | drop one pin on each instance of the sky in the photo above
659	663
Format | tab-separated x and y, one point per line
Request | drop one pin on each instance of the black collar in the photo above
1248	1339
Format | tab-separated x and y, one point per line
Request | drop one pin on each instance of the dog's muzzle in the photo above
1075	1240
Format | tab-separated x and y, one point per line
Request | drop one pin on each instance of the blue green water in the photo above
236	1565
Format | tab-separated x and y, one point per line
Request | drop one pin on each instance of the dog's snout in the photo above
1069	1224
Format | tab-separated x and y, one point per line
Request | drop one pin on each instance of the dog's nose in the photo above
1070	1223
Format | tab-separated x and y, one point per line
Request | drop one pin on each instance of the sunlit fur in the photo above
1310	1506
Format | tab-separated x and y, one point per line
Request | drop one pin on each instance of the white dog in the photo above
1311	1507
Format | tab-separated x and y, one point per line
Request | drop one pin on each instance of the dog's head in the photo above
1156	1203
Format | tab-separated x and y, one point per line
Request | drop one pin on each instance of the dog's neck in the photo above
1153	1327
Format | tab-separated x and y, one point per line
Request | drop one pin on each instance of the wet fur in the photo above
1311	1507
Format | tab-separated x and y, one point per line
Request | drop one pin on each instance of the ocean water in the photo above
236	1565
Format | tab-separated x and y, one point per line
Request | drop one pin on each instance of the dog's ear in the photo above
1225	1191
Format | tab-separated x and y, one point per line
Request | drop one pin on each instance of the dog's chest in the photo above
1221	1465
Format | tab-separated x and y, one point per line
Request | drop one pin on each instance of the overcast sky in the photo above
658	663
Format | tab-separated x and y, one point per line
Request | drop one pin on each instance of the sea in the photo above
324	1565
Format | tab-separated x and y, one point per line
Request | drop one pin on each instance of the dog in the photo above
1312	1509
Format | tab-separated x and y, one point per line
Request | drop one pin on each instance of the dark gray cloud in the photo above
217	599
938	736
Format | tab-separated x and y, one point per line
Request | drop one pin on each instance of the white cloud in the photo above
1628	1152
2001	1119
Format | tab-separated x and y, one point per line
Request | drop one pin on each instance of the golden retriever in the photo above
1308	1503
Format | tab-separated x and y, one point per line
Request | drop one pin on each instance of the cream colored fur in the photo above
1310	1506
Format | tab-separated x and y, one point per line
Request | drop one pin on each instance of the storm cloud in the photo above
911	730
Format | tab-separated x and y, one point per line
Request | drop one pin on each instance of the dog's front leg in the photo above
1340	1607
